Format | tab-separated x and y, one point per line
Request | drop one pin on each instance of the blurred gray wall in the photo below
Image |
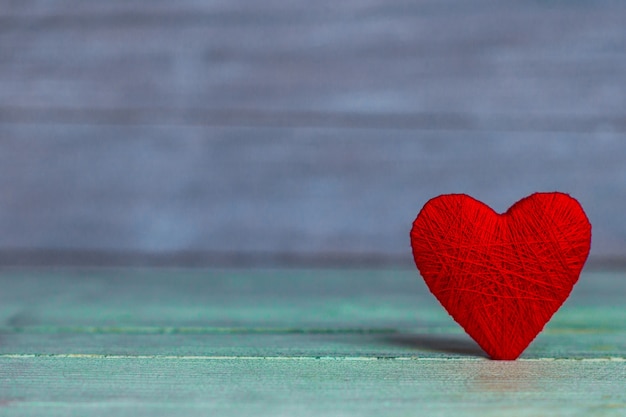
282	130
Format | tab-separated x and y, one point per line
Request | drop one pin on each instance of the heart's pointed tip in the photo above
503	357
503	351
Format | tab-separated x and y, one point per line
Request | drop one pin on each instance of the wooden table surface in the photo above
290	342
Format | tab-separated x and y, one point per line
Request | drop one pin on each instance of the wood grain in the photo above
275	193
234	387
369	57
289	130
305	342
275	313
272	132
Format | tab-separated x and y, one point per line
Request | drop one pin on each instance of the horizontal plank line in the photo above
149	330
311	119
96	258
188	16
157	19
289	358
195	259
174	330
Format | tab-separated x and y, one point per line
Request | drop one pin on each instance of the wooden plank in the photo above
252	298
344	342
275	191
275	313
162	386
213	298
368	110
438	343
395	57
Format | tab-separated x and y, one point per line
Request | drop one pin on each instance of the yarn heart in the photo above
501	276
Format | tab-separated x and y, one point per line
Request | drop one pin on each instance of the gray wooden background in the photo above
298	132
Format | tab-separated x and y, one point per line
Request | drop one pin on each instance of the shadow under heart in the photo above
459	345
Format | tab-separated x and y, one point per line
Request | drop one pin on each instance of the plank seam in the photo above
288	358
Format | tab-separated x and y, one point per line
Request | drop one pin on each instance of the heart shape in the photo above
501	276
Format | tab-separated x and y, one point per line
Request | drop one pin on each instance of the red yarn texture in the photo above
501	276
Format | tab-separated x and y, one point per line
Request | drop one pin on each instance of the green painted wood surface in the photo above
290	342
303	387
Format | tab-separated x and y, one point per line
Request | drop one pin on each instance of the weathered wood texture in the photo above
309	387
300	129
524	59
275	313
290	342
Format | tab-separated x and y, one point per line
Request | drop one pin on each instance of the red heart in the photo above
501	276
